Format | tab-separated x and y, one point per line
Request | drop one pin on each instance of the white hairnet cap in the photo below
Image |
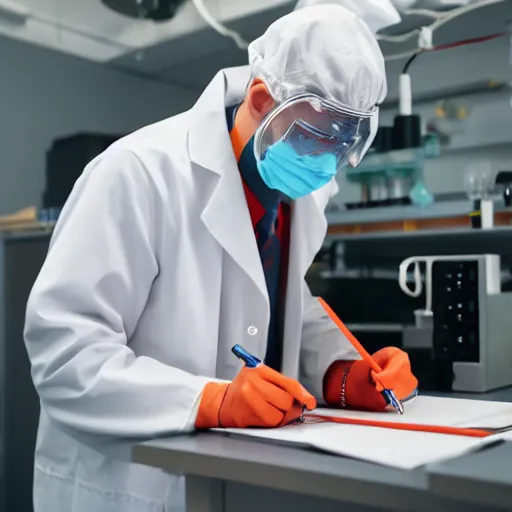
378	14
327	50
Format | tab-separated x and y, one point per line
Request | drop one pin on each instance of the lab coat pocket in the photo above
87	499
54	492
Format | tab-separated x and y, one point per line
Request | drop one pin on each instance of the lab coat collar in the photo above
209	142
226	214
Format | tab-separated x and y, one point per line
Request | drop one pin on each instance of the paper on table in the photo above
505	436
493	421
397	448
447	412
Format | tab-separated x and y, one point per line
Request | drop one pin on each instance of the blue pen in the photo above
251	362
391	398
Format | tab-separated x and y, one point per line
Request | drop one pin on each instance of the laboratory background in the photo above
418	250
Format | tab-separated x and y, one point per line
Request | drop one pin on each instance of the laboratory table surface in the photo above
215	463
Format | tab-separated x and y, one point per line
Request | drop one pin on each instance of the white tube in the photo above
402	277
405	95
418	284
219	27
487	213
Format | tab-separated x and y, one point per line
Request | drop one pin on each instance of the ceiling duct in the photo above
156	10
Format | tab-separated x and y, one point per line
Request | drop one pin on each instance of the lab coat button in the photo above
252	331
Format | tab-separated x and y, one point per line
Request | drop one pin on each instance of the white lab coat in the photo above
153	274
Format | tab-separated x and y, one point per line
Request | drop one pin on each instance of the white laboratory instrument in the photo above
466	319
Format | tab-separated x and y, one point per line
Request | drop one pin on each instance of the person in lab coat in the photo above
193	235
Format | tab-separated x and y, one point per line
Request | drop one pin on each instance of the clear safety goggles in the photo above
314	126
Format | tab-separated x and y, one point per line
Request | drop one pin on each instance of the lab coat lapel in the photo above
308	230
225	214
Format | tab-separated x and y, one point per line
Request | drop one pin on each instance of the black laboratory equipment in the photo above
65	162
21	258
504	178
155	10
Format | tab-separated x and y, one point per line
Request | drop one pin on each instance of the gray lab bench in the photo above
227	474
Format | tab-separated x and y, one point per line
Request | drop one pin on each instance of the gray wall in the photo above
45	95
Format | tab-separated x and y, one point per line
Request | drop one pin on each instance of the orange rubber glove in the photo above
257	397
363	386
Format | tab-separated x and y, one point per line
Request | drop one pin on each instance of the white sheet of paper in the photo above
448	412
398	448
505	436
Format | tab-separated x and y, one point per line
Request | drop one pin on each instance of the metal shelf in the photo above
400	213
389	248
480	234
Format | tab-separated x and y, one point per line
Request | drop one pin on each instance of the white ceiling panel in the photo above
89	29
192	60
192	49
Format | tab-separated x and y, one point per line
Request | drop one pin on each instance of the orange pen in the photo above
388	394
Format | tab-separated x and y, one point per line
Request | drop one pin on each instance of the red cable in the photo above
449	46
465	42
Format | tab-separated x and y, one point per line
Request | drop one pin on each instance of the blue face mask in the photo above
296	175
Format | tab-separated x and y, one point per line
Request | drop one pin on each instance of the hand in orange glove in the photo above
257	397
363	386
